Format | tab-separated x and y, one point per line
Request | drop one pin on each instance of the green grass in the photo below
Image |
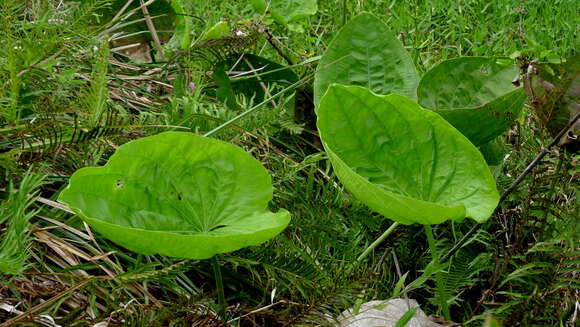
439	29
64	105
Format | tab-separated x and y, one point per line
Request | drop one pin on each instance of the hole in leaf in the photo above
179	197
218	227
119	183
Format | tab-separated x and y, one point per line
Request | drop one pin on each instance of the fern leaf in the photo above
15	212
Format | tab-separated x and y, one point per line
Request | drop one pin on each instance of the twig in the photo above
398	268
101	255
55	204
42	62
258	310
30	313
274	43
262	85
114	25
152	29
539	157
513	185
120	12
377	267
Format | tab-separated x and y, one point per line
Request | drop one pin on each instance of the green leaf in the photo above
366	53
182	37
399	286
555	91
404	162
491	321
474	94
217	31
402	322
286	11
494	151
267	74
177	194
225	91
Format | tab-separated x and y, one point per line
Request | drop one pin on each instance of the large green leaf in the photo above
474	94
366	53
403	161
177	194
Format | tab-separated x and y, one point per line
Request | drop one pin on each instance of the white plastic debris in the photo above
48	321
385	314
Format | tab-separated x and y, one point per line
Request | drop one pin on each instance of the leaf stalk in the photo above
220	287
378	241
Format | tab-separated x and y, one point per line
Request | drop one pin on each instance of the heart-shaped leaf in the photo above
474	94
366	53
404	162
177	194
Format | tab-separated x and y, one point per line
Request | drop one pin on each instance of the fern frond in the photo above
462	272
98	94
214	50
166	272
46	136
15	212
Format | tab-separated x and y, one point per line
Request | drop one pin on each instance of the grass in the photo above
438	30
69	98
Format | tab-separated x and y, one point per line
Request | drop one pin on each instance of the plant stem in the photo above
254	108
220	287
441	296
378	241
344	9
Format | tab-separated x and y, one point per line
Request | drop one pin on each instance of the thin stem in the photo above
344	10
249	111
275	44
442	296
378	241
220	287
152	30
